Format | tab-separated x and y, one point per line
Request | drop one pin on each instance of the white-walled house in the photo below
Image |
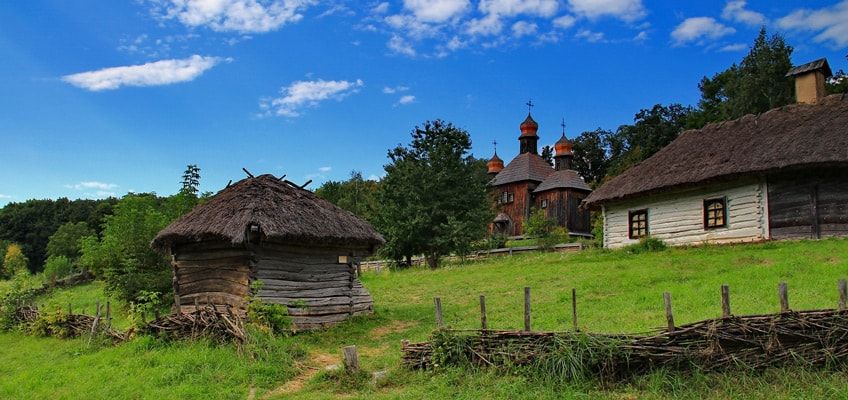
780	174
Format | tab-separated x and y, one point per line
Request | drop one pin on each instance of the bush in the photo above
539	225
273	317
554	237
145	303
647	244
53	324
57	267
14	262
598	229
19	293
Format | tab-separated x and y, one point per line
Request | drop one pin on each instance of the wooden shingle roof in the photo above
524	167
563	179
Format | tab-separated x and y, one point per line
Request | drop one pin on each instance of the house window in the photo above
506	197
638	224
715	213
544	203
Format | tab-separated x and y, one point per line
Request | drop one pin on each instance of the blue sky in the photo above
105	97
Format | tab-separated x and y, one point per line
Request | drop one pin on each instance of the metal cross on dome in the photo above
495	143
563	126
530	105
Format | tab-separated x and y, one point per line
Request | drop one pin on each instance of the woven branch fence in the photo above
815	338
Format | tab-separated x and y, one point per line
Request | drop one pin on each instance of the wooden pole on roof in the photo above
247	172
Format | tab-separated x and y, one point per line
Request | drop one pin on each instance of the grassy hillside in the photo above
617	292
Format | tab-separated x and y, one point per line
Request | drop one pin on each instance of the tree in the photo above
356	195
14	262
66	241
591	155
755	85
123	258
433	199
548	155
191	180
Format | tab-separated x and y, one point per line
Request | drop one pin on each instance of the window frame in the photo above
630	215
543	204
506	197
706	219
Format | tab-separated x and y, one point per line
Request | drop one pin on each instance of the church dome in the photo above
563	147
495	164
529	127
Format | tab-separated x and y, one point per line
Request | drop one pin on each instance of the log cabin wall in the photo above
310	281
564	207
678	217
808	205
215	272
519	208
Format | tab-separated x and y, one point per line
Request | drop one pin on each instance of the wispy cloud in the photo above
406	99
88	185
164	72
325	169
399	45
302	94
698	30
245	16
734	47
395	89
589	36
735	11
829	23
5	196
625	10
524	28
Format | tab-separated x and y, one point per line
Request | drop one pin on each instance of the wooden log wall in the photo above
211	273
808	205
317	289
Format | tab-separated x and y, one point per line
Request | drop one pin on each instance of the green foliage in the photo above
545	230
66	241
449	349
342	380
57	267
496	241
548	154
191	180
433	199
31	223
646	244
53	324
577	358
18	293
755	85
838	83
598	229
124	258
356	195
146	303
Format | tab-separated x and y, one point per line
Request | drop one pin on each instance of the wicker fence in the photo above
818	337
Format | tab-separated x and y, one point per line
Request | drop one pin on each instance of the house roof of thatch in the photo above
524	167
563	179
784	138
283	213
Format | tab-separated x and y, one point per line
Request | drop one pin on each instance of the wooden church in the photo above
528	183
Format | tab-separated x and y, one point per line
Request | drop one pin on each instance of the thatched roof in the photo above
283	213
524	167
563	179
788	137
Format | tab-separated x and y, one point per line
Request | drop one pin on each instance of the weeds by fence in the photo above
818	337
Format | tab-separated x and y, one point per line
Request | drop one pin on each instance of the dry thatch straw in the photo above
282	212
205	322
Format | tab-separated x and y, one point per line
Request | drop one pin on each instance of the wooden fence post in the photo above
483	322
70	309
843	294
669	316
440	322
783	292
725	301
351	359
527	309
574	309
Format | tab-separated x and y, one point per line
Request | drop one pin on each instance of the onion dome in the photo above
563	147
529	126
495	164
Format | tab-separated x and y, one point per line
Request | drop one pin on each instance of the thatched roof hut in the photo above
303	249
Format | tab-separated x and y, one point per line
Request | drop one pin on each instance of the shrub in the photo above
598	229
57	267
51	324
646	245
554	237
144	304
14	262
19	293
273	317
66	240
538	224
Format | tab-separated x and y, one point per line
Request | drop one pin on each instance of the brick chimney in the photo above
809	81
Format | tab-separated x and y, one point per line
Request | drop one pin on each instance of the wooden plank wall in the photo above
219	274
310	281
808	205
678	218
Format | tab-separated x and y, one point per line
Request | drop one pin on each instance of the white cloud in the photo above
373	177
524	28
436	10
735	10
395	89
641	36
325	169
412	26
407	99
734	47
5	196
699	28
164	72
87	185
381	8
625	10
831	23
591	37
510	8
565	21
302	94
236	15
486	26
399	45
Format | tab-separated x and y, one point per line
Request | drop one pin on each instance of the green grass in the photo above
617	293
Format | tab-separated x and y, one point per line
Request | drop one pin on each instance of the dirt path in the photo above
318	362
